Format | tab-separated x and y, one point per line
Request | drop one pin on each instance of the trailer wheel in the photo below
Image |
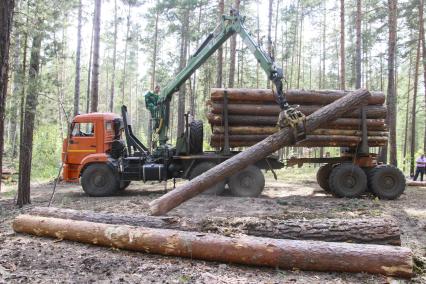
249	182
202	167
124	185
323	175
196	137
347	180
386	181
99	180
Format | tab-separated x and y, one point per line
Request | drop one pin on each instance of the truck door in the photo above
82	142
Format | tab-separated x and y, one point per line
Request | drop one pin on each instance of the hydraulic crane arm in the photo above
231	24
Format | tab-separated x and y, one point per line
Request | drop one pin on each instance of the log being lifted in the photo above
372	231
372	111
284	254
283	137
271	121
302	97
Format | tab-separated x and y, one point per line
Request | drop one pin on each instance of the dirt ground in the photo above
26	258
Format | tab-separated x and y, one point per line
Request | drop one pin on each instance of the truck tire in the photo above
323	175
202	167
347	180
249	182
124	185
196	136
99	180
386	182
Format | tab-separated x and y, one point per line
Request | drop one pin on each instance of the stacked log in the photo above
253	114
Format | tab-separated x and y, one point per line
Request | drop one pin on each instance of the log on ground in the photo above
284	254
293	96
416	183
368	231
236	163
274	110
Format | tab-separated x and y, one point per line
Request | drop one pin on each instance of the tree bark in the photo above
284	254
77	61
423	44
413	110
374	231
95	57
293	96
126	44
114	60
6	20
270	110
271	144
31	102
269	44
358	44
182	62
392	96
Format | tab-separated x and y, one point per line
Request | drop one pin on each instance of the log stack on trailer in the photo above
243	117
253	113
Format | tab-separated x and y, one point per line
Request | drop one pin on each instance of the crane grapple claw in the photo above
290	118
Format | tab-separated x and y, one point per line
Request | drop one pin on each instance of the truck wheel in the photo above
386	181
323	175
99	180
196	137
124	185
202	167
347	180
249	182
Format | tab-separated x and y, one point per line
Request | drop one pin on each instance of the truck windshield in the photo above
83	129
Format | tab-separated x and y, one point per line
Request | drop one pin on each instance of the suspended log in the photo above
373	230
301	97
416	183
217	140
274	110
282	138
271	121
284	254
258	130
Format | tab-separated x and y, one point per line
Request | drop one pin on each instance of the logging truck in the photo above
102	152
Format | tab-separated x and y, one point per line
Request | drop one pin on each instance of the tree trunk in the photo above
154	73
233	48
293	96
89	71
269	44
423	43
26	147
77	61
392	97
407	112
358	44
271	144
6	20
182	63
342	46
95	57
126	44
373	231
219	70
284	254
413	110
114	60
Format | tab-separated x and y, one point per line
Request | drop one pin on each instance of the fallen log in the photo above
271	121
416	183
284	254
367	231
302	97
282	138
258	130
372	111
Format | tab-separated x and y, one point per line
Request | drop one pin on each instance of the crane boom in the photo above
230	25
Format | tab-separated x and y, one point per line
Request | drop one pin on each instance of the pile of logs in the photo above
272	245
253	114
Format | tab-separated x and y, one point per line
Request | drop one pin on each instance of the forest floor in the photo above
26	258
